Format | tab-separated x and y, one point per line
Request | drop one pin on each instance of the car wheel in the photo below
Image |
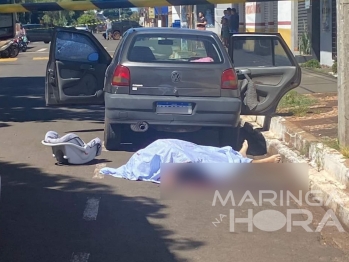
14	51
229	136
116	35
46	42
112	136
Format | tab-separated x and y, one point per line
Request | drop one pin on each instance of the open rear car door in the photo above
266	69
76	68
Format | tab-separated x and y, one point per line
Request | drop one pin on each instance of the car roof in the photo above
169	30
32	25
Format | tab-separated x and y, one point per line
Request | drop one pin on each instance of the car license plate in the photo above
180	108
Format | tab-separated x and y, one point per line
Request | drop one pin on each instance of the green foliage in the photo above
59	18
305	42
296	104
87	19
334	143
134	16
334	67
313	63
112	14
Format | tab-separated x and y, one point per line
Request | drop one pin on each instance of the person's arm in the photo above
205	22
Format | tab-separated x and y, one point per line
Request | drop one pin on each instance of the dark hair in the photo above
228	9
234	10
201	13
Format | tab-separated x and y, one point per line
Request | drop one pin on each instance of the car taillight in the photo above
121	76
229	79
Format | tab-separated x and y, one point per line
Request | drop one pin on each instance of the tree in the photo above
113	14
134	16
59	18
89	19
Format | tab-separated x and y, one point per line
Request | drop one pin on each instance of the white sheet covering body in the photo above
145	164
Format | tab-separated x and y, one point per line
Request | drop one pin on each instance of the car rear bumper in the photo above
207	111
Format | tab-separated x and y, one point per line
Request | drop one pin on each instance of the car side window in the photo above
259	51
73	47
117	50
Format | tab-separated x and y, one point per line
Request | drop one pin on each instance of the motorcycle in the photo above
22	42
9	50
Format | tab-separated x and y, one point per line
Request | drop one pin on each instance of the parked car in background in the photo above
84	27
38	33
101	28
120	27
171	79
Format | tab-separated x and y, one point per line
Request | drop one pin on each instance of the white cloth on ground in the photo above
145	164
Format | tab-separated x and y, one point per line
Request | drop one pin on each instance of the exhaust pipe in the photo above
140	127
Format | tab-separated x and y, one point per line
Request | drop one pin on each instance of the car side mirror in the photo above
93	57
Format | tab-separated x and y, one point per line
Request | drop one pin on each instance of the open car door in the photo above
76	68
266	69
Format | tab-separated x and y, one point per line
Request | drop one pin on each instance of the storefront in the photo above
161	14
208	11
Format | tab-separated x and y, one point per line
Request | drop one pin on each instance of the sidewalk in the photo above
320	118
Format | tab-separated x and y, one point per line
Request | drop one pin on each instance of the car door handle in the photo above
243	71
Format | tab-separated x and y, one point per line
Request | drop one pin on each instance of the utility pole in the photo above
343	71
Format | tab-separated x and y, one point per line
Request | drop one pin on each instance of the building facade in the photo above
317	25
308	27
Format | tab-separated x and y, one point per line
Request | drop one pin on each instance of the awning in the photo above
161	10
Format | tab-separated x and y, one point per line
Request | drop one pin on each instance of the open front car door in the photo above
76	68
266	69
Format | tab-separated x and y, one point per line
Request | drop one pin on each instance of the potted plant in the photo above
304	45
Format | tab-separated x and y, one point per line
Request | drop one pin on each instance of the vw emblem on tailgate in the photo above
175	76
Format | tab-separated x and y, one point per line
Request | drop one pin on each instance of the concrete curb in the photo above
319	155
330	76
286	139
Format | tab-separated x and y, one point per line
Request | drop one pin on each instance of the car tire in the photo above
229	136
116	35
112	136
14	51
46	42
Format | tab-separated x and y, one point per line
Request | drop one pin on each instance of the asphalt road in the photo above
45	208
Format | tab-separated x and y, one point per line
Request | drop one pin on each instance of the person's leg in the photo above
271	159
243	150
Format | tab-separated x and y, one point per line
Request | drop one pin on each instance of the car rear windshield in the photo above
174	49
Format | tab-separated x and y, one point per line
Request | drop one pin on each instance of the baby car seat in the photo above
70	149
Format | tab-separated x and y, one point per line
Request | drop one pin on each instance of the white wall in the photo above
218	15
326	36
176	10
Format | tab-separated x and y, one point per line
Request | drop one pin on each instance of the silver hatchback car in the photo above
169	79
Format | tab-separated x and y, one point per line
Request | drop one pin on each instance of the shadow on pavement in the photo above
22	100
41	220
